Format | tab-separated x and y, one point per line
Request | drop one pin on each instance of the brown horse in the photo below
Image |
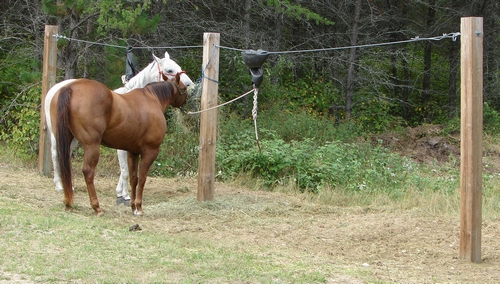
89	112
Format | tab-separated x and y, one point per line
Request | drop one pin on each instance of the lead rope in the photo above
254	109
254	114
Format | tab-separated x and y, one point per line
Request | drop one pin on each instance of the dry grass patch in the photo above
243	236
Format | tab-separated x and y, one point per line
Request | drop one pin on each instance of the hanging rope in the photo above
254	115
218	106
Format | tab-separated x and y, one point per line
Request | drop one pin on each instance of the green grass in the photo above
50	245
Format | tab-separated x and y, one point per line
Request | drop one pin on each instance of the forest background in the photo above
307	100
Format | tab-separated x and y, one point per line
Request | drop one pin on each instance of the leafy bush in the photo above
491	119
356	167
374	115
20	122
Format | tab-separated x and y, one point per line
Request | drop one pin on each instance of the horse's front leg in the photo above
122	192
91	158
147	159
133	162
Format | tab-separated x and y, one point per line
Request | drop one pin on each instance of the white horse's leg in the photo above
55	163
122	191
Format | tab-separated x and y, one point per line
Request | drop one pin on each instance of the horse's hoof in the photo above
120	200
68	208
138	213
99	213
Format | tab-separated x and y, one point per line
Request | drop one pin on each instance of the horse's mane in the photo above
162	90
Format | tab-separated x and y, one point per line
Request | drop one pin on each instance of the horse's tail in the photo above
63	138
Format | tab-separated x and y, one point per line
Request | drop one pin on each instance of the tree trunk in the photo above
70	51
276	43
426	84
350	85
405	92
454	60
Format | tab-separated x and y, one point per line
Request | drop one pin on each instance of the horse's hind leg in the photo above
91	158
133	161
146	160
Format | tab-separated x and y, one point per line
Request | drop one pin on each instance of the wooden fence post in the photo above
208	119
48	80
471	138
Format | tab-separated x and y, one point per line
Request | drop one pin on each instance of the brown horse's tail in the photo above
63	139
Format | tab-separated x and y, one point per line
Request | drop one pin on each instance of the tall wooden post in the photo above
208	119
471	138
48	80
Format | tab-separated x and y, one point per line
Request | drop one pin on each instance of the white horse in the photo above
152	73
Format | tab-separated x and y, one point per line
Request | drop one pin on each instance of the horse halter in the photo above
180	92
175	85
160	72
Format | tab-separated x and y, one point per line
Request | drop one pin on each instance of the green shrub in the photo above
20	123
491	120
357	167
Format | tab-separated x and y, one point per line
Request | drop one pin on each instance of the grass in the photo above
43	243
49	245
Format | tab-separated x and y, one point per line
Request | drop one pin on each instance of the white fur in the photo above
147	75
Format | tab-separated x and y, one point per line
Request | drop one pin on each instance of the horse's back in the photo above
89	97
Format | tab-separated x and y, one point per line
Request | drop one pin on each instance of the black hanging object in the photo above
130	70
254	60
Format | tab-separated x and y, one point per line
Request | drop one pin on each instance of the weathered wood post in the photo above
48	80
471	143
208	119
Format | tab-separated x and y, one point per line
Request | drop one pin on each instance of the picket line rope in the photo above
453	36
206	66
58	36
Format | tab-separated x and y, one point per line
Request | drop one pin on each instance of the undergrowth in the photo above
310	153
339	165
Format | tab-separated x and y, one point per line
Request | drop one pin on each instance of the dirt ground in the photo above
364	244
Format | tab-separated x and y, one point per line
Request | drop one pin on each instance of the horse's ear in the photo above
177	78
165	78
167	56
156	58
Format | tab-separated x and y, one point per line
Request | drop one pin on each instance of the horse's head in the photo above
169	68
180	88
